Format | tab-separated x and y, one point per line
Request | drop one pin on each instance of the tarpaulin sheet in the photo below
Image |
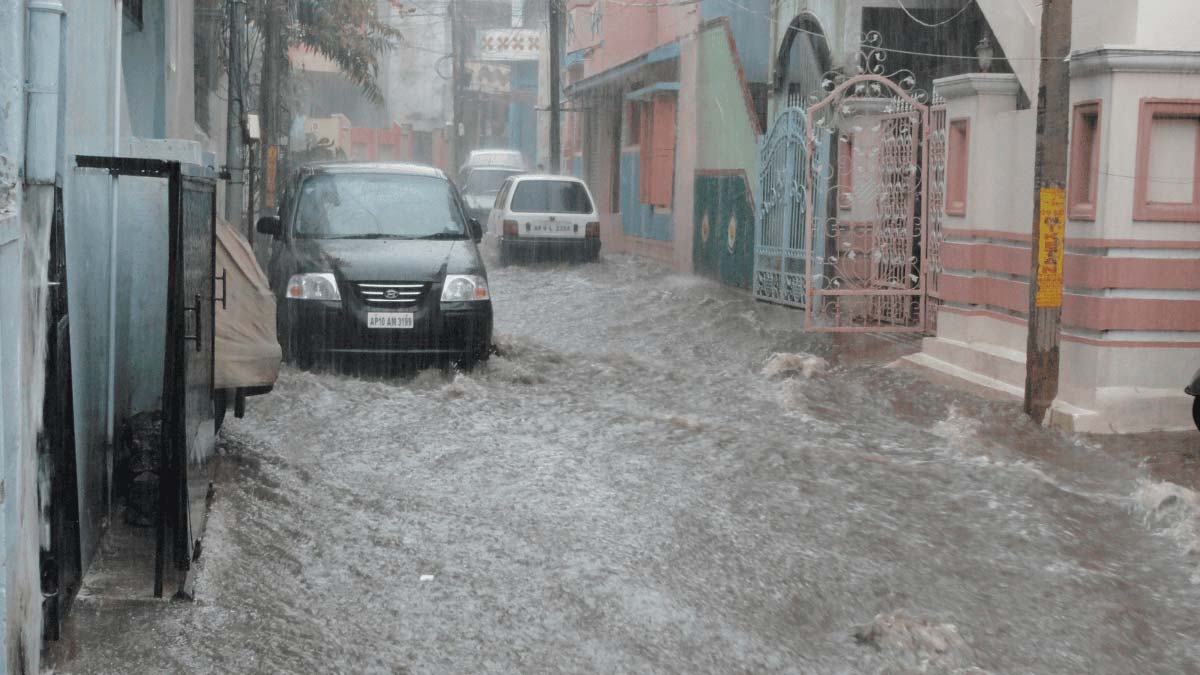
247	350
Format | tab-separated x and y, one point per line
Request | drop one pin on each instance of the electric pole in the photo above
555	83
266	101
1049	220
456	51
234	135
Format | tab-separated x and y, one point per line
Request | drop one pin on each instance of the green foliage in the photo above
347	32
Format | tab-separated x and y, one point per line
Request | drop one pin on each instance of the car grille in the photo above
392	294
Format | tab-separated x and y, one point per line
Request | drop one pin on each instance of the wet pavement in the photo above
638	483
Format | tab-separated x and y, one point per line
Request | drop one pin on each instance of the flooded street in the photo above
657	475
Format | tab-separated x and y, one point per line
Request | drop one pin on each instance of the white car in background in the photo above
541	215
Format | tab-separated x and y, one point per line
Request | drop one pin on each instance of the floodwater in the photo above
637	484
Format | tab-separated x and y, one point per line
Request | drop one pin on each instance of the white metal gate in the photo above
852	189
779	254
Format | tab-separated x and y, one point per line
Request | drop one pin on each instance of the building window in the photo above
1085	161
133	12
206	27
845	158
1167	180
633	124
656	171
958	153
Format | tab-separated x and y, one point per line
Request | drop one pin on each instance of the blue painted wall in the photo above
750	23
638	219
522	113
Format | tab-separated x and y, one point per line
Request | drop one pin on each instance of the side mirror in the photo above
476	229
270	225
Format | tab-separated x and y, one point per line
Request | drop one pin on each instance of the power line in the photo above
957	14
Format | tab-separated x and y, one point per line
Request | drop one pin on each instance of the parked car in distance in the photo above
535	215
377	259
480	189
492	158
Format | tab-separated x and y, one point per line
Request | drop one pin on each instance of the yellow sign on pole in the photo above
1052	225
272	167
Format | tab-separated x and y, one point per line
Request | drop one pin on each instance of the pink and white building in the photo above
1131	304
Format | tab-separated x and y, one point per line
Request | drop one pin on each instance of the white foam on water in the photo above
1175	510
782	364
957	427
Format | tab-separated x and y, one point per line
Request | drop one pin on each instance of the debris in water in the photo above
426	577
921	639
805	365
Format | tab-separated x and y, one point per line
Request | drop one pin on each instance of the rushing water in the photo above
637	483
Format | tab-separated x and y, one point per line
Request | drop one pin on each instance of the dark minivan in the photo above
377	259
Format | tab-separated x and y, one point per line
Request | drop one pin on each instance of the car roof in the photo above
402	168
549	176
478	159
495	151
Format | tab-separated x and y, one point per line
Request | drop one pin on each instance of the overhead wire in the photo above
957	14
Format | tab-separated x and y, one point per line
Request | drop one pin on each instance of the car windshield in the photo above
377	206
486	181
551	196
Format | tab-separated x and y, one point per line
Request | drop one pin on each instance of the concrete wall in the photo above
1147	24
87	208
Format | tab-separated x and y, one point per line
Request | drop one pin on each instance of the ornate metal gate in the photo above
866	255
779	254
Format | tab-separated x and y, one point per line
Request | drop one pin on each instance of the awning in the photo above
661	53
645	93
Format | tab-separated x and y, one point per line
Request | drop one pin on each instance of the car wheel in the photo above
506	254
479	356
1196	411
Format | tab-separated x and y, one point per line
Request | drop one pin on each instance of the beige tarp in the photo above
247	351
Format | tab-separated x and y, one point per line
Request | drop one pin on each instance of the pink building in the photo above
662	124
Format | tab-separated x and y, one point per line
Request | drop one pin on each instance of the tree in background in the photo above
348	32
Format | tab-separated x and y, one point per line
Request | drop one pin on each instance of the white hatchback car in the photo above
542	214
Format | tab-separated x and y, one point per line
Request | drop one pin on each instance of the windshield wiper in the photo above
375	235
444	235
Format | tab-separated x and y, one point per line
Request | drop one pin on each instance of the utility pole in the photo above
1049	221
555	83
235	139
456	51
266	100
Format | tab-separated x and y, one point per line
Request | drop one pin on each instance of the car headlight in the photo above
318	286
464	288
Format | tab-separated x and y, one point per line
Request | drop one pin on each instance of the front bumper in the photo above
439	329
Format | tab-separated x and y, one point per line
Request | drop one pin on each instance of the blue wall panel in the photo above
749	22
638	219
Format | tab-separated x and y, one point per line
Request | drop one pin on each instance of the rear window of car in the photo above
551	196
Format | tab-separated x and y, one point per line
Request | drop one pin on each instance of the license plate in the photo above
554	228
389	320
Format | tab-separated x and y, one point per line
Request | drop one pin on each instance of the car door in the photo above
280	264
496	215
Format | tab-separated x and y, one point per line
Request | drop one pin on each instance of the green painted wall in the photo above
725	127
726	166
723	245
